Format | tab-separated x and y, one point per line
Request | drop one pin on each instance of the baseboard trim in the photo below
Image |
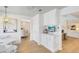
72	37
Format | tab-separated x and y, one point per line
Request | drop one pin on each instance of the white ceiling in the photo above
28	10
75	14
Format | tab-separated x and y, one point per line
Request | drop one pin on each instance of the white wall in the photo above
19	18
15	34
41	22
67	19
35	34
50	17
73	33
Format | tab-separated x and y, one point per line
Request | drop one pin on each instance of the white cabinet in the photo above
47	41
50	42
35	30
56	43
44	40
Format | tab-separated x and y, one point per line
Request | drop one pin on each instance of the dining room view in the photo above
39	29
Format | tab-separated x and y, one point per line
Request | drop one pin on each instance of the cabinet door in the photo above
53	43
44	40
42	37
50	42
56	43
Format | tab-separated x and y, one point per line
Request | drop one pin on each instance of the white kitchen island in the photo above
51	41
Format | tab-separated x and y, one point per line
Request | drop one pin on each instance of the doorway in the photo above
70	41
25	29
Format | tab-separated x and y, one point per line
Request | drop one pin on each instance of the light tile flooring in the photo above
28	46
70	45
